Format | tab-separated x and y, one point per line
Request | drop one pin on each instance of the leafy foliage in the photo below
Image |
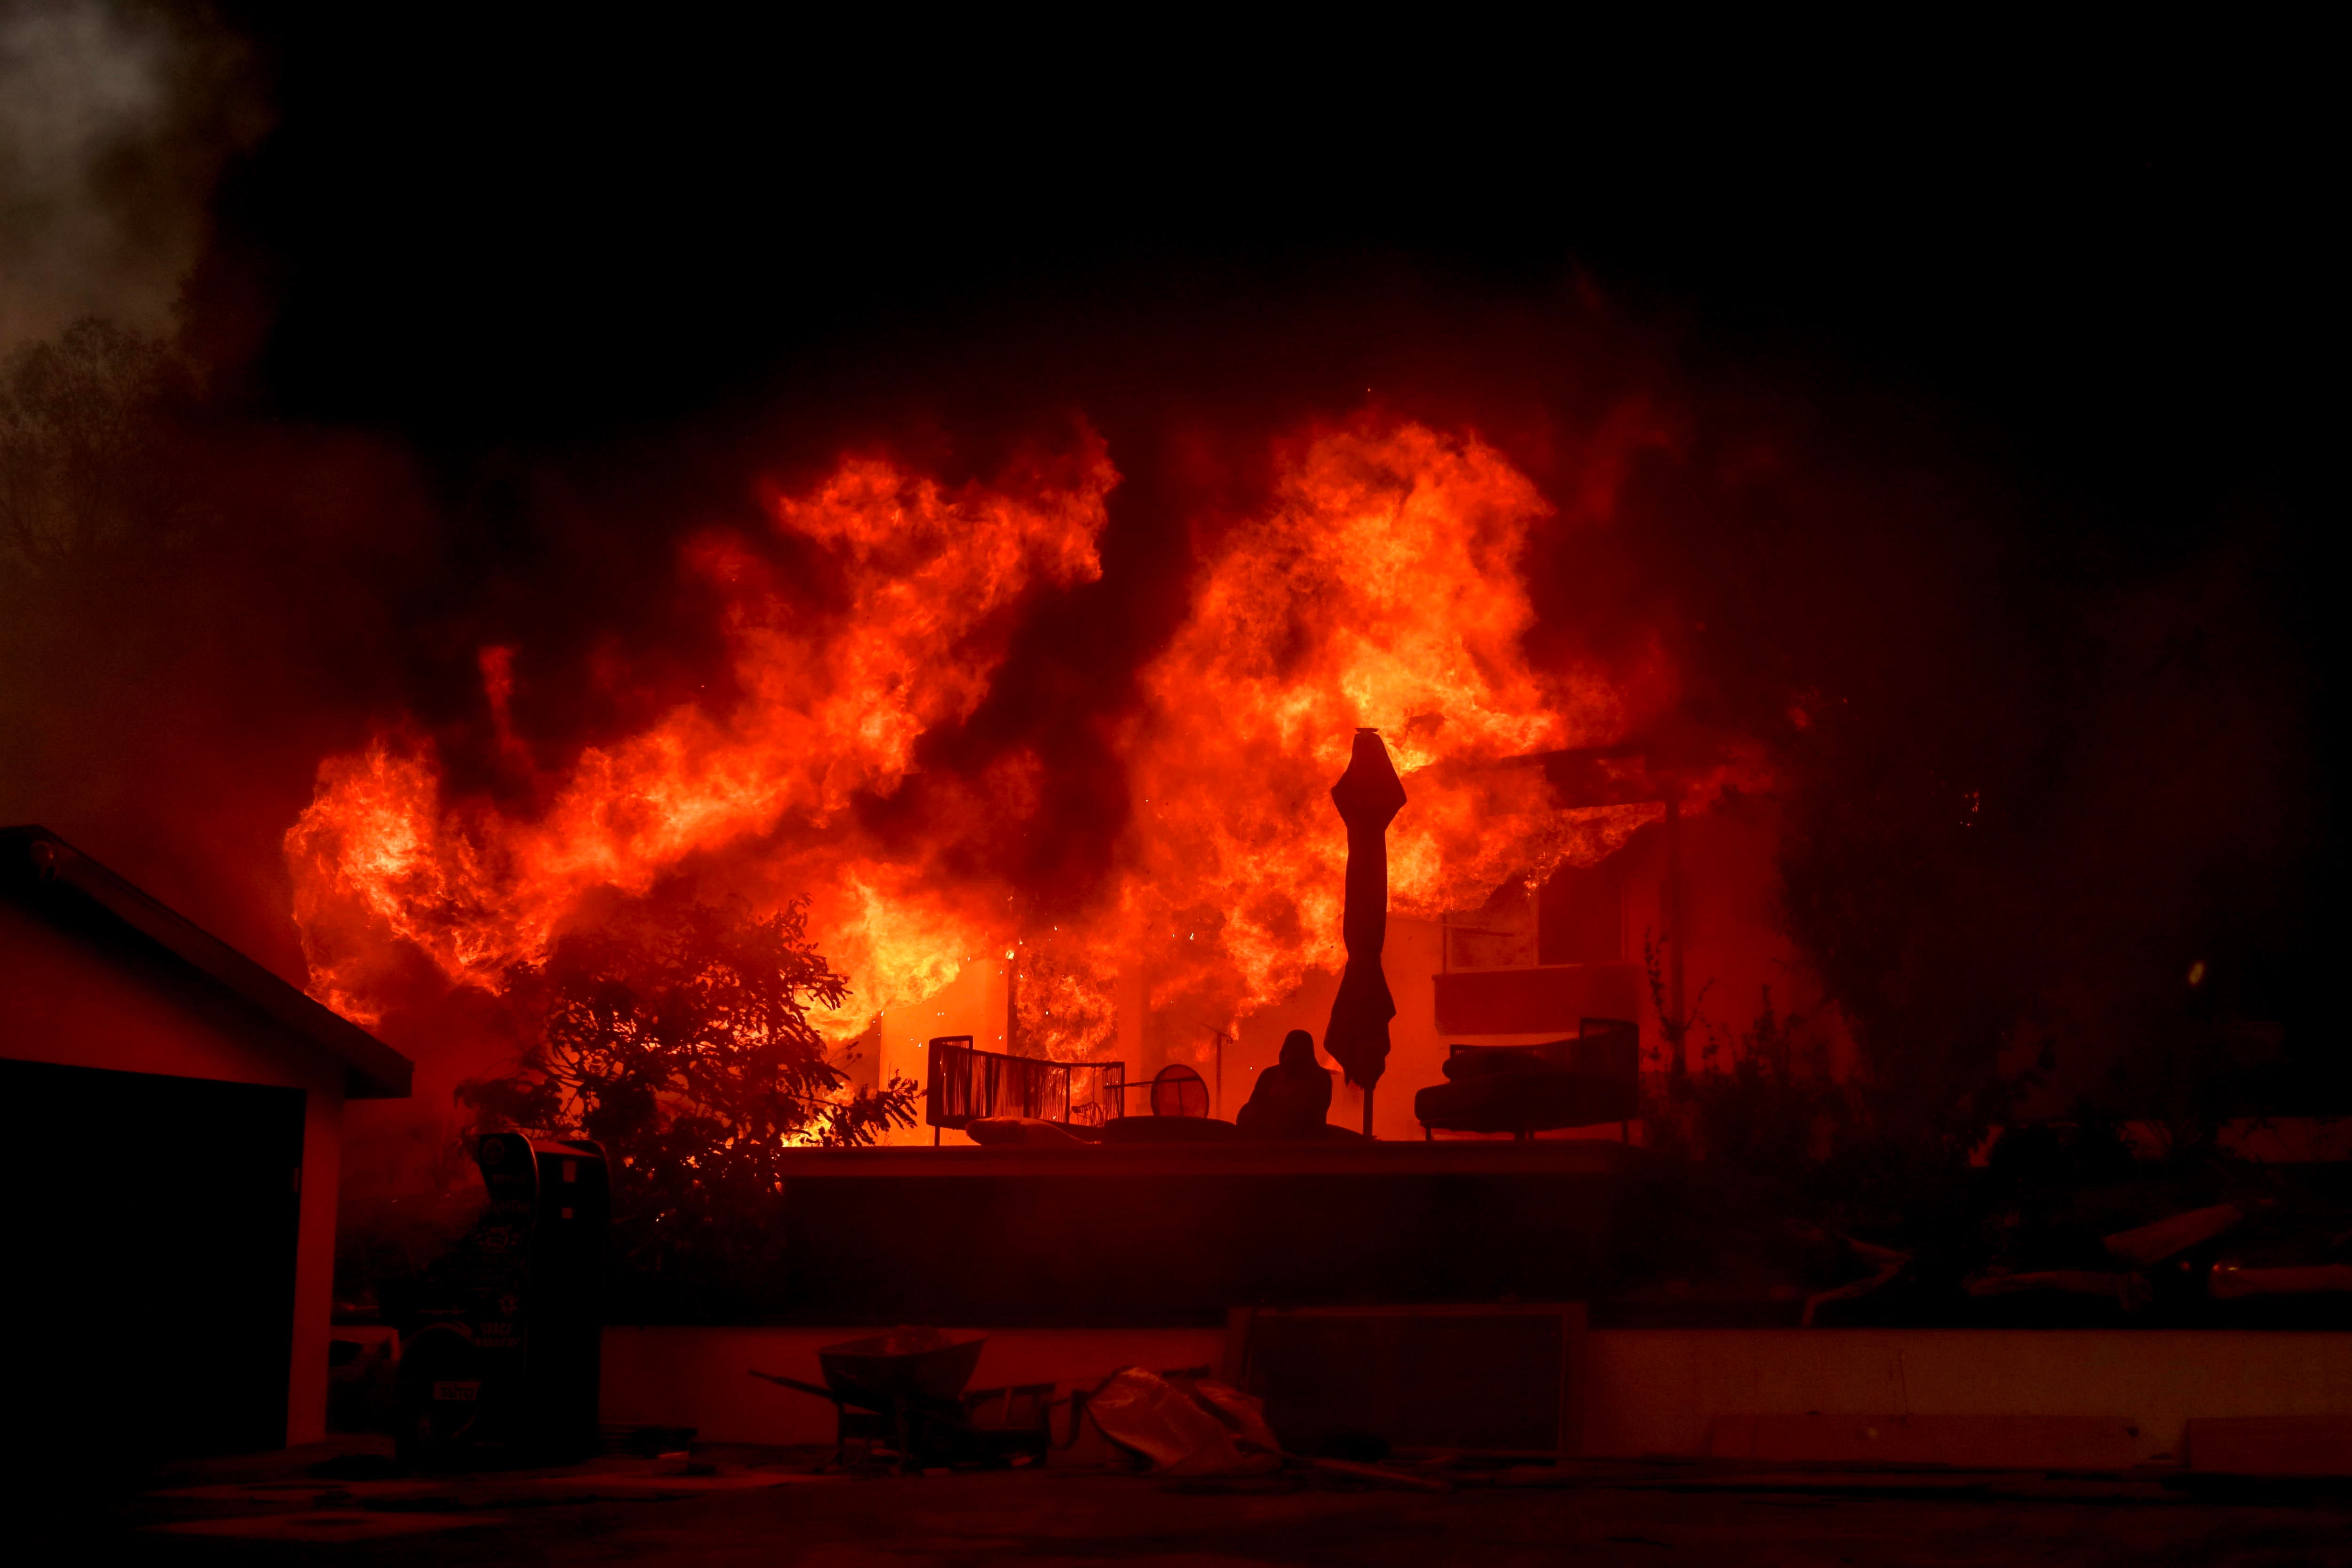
1765	1103
1785	1162
677	1034
1903	896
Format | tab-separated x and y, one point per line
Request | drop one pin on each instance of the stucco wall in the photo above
72	1004
1646	1391
1656	1391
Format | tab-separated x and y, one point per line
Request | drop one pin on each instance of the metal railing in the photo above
966	1084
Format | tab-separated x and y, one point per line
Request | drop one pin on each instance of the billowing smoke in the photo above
115	119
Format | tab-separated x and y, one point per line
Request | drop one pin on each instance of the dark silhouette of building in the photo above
170	1137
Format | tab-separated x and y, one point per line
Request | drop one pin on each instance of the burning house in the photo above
898	989
1571	870
1553	853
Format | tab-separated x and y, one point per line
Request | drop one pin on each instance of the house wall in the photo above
75	1003
1735	948
971	1004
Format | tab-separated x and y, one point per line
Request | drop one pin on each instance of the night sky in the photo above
2108	255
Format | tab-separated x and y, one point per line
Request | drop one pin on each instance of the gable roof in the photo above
44	869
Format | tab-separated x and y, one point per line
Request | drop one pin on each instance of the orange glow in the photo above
1380	586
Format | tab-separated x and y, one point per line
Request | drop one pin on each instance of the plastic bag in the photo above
1184	1428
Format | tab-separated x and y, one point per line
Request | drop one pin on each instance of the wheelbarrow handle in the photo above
945	1411
827	1395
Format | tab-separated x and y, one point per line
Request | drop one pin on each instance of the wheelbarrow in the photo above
907	1385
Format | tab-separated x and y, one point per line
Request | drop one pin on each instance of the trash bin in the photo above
501	1346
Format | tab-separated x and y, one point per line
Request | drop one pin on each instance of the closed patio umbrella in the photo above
1368	797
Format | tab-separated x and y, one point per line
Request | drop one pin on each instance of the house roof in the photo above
47	872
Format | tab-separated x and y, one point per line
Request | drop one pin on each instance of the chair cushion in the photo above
1029	1131
1527	1099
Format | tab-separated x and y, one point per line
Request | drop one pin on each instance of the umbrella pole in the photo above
1368	1110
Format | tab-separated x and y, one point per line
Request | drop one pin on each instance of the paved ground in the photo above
770	1509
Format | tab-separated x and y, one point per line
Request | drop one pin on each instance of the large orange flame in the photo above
831	707
1380	587
1382	590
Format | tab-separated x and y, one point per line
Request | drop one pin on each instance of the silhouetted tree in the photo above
677	1034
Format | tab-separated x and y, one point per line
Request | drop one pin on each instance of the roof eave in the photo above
373	1070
